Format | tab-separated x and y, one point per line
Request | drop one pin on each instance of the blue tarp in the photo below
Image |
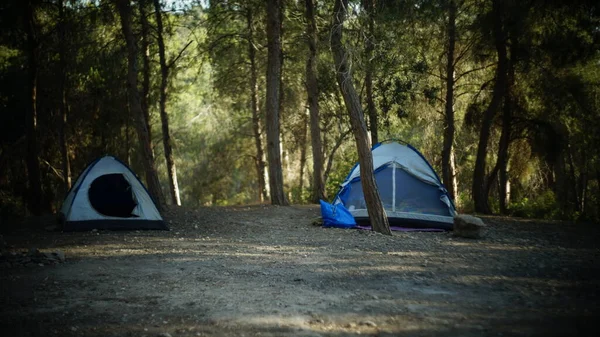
336	216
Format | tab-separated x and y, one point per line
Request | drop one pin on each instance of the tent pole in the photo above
394	187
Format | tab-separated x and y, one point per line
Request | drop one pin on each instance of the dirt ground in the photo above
268	271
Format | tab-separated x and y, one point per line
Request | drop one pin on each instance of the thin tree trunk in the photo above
303	145
583	182
377	216
127	136
272	102
598	190
369	6
503	155
312	89
561	187
256	127
145	68
480	196
454	177
35	195
135	105
62	129
574	180
164	118
448	174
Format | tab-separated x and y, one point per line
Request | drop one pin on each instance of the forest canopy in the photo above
210	101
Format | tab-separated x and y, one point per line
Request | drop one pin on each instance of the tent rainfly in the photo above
108	195
412	193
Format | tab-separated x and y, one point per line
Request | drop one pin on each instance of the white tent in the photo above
108	195
411	191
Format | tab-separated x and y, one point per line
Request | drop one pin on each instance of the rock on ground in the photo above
468	226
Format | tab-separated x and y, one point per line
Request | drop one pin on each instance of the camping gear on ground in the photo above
411	192
108	195
336	216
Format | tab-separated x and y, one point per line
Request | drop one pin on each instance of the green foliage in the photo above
345	162
542	206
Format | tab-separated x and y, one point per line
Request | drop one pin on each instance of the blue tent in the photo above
411	192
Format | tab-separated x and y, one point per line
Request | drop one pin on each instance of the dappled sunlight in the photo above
409	254
392	268
482	246
529	281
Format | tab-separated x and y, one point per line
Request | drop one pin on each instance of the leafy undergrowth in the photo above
266	270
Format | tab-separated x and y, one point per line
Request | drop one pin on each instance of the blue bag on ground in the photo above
336	216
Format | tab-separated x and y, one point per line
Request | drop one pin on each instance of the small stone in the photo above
164	334
60	255
368	323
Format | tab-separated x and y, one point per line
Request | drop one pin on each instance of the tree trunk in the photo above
312	89
583	182
597	191
505	137
145	68
561	189
574	181
272	102
479	189
303	144
127	136
285	162
503	155
369	6
256	127
377	216
135	105
448	174
164	118
35	195
62	129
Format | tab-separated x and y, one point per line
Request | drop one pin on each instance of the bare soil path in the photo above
267	271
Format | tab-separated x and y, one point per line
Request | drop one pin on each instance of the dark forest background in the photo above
222	102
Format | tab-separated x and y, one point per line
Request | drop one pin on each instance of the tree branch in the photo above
473	70
337	144
179	55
